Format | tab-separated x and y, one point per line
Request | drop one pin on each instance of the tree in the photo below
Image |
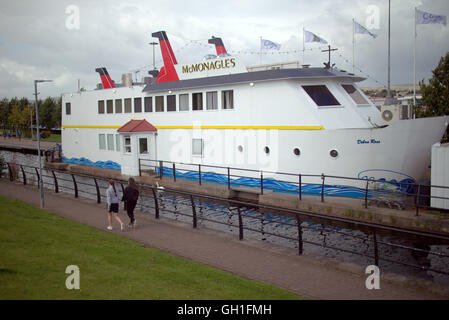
435	95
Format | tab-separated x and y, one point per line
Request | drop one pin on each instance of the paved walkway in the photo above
250	259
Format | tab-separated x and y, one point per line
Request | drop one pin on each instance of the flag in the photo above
423	17
311	37
358	28
269	45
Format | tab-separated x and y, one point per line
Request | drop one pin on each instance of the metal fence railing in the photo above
401	195
284	223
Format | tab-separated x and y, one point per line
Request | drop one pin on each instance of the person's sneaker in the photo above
134	223
122	226
109	227
130	225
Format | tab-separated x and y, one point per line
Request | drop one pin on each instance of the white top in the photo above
111	196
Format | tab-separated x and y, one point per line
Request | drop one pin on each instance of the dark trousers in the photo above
130	205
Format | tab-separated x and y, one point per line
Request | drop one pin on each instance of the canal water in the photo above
321	238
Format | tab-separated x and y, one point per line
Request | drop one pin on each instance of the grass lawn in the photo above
53	138
36	247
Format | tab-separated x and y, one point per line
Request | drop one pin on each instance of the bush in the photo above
2	165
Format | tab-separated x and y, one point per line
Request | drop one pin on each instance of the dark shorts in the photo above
113	207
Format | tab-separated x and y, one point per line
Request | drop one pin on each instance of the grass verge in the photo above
36	247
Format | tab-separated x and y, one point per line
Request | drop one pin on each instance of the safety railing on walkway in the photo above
400	195
246	217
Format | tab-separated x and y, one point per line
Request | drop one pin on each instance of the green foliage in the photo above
435	95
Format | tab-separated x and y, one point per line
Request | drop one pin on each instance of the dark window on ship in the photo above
101	106
143	146
118	105
354	94
171	103
197	101
184	102
68	108
137	104
160	104
148	101
127	144
227	99
321	95
109	106
128	105
211	100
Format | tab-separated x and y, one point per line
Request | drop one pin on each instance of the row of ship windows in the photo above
172	102
107	142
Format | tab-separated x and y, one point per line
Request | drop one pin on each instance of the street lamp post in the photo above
41	183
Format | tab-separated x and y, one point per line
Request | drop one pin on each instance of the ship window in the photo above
110	140
296	151
354	94
197	101
184	102
321	95
128	105
118	105
68	108
127	144
267	150
197	147
137	104
171	103
227	99
160	104
101	106
117	142
109	106
148	104
211	100
143	146
102	141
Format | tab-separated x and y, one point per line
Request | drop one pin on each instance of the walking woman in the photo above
130	196
112	200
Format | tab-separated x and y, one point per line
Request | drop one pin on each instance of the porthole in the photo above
296	151
240	148
333	153
267	150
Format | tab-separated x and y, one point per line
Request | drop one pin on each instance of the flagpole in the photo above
353	46
388	98
414	67
303	47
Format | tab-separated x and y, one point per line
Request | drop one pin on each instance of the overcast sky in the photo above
40	39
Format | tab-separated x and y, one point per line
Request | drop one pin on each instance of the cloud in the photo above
35	42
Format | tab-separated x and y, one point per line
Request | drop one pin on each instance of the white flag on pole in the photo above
358	28
423	17
269	45
311	37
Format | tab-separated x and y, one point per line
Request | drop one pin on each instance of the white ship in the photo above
216	112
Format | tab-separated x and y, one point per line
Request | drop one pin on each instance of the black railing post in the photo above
261	182
193	212
322	187
417	200
10	172
156	203
98	191
300	187
161	169
75	185
23	175
300	244
38	179
56	181
376	251
229	178
140	169
240	224
199	174
366	194
174	172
